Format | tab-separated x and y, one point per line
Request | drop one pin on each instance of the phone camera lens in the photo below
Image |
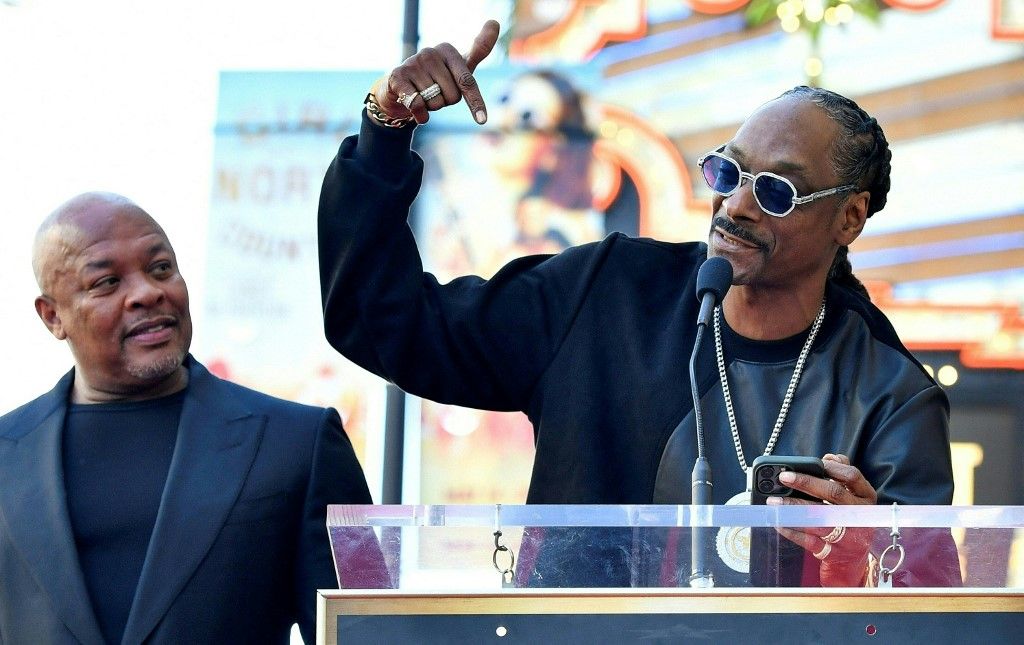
765	486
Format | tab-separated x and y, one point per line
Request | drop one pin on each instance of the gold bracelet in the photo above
377	113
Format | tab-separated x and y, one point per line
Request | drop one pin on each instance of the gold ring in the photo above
825	550
407	99
836	535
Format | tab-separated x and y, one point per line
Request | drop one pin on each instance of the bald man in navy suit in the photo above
143	498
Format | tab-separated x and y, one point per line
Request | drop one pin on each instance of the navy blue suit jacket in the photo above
240	543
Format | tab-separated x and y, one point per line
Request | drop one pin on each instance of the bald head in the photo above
65	229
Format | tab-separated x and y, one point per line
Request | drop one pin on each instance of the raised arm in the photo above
473	342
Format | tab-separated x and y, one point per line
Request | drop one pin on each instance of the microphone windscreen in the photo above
715	277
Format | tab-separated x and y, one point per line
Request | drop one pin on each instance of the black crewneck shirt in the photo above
116	457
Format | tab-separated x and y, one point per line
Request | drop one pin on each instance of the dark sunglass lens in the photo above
774	195
721	174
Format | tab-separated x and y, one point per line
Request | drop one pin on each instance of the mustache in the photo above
734	229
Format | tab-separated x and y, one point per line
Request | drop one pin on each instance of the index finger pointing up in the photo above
462	69
482	44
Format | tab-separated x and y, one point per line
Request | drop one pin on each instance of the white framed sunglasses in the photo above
775	194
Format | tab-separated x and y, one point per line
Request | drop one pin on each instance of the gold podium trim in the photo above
381	602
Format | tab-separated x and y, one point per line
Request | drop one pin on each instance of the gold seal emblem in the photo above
733	542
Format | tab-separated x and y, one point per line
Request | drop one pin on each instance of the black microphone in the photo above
713	281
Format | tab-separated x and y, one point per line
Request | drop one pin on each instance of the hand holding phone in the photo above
767	468
775	561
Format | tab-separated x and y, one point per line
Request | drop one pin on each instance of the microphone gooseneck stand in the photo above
713	281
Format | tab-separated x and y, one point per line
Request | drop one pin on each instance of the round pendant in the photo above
733	542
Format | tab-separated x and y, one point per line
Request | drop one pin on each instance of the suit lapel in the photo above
217	442
34	504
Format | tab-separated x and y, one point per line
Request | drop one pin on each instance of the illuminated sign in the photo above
914	5
987	336
583	28
1008	19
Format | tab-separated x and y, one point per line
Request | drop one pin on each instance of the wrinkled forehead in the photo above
101	223
90	227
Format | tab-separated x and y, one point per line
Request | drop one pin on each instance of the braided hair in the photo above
860	156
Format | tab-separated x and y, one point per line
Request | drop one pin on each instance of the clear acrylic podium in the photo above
620	574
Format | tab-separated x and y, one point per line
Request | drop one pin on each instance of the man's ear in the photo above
48	314
852	217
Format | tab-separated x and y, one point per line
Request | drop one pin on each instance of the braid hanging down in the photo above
860	155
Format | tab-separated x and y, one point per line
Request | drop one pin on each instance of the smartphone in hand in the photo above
766	471
774	560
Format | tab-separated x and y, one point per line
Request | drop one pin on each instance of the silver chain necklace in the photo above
797	371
